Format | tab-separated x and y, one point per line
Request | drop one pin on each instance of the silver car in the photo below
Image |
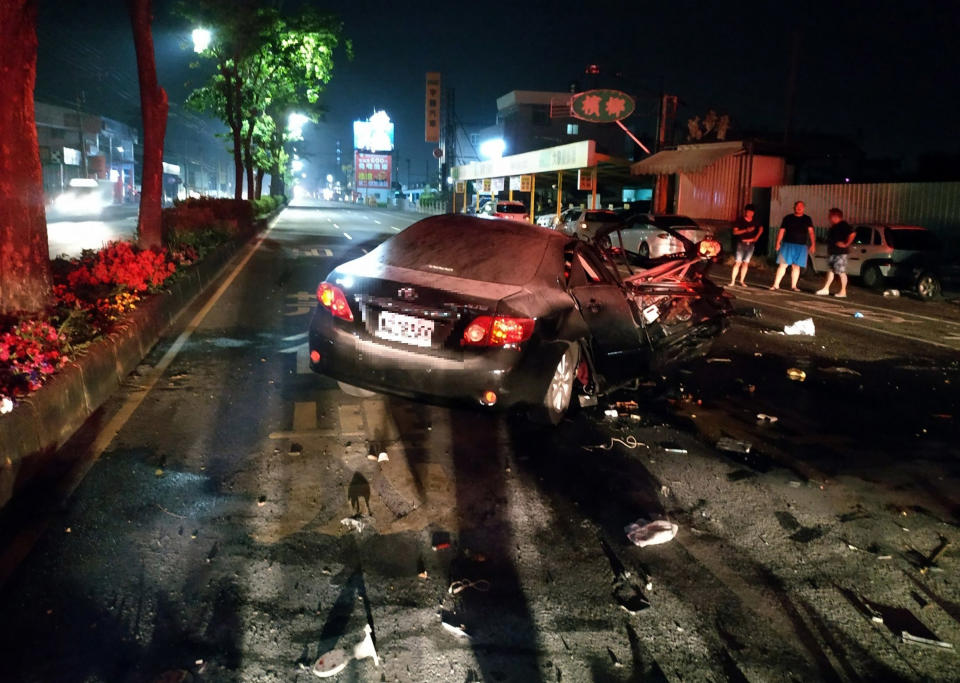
584	223
644	236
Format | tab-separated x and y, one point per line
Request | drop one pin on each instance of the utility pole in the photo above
449	138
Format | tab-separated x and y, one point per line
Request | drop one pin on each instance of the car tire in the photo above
928	286
872	277
558	396
643	251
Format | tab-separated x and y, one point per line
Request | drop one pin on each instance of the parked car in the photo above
495	314
907	256
584	223
511	210
547	220
646	236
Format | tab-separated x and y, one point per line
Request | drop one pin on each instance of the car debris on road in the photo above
803	327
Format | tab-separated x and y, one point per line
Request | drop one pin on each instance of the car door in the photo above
620	352
635	233
860	249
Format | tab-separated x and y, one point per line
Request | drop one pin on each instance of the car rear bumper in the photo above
517	377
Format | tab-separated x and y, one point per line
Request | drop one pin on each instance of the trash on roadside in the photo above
441	540
733	445
383	457
450	625
371	456
670	447
642	533
719	360
630	598
456	587
796	374
630	442
801	327
587	400
891	292
763	418
357	524
611	413
857	314
907	637
335	661
840	370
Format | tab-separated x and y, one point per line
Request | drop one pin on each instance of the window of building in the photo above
573	129
540	115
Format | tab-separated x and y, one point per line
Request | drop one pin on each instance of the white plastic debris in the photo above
803	327
6	405
383	457
334	661
643	533
353	524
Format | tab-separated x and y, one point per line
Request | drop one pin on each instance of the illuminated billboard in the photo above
372	171
374	134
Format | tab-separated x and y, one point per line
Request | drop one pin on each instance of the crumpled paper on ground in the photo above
801	327
643	533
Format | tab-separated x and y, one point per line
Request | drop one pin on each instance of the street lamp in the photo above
329	177
295	124
493	148
201	39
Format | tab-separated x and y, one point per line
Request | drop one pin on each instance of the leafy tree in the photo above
24	259
154	107
266	66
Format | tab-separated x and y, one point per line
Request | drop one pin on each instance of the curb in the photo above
47	418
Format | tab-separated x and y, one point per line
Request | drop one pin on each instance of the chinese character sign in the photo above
432	112
602	106
373	171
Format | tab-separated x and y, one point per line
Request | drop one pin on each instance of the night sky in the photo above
881	74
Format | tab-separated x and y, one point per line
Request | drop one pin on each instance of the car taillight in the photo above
333	299
497	331
709	248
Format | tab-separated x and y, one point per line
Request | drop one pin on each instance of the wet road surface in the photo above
206	538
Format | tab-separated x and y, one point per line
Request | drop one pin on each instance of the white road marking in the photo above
844	320
300	303
294	337
303	360
347	235
336	226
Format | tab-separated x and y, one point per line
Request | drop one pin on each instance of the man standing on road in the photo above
838	246
792	246
746	232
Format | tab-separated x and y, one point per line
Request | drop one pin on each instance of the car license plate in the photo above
405	329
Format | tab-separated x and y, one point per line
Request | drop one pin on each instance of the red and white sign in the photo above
373	171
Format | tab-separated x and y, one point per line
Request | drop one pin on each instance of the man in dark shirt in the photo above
839	239
746	232
792	246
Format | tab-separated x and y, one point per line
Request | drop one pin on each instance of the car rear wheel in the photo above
556	400
643	251
928	286
872	277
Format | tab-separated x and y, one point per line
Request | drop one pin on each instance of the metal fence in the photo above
935	206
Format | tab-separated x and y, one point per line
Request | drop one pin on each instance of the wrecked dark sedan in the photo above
495	313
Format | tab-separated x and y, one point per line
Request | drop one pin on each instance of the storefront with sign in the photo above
544	179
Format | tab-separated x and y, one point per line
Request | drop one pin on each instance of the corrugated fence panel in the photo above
935	206
714	192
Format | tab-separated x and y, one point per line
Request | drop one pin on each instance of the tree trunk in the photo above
24	257
260	174
154	107
248	157
233	118
276	180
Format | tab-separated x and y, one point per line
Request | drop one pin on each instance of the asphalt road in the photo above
201	536
70	235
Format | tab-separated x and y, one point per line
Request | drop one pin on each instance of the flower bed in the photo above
92	294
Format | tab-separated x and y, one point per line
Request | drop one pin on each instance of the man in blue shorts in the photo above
792	245
746	231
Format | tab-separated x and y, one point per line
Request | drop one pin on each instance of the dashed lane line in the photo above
347	235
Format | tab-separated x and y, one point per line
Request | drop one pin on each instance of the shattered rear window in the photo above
469	248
